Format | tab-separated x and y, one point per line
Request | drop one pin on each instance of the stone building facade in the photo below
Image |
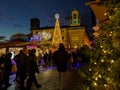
74	35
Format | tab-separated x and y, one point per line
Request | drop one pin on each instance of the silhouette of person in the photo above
21	60
32	69
7	69
50	58
61	58
45	58
1	70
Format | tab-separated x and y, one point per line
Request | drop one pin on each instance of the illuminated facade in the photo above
73	35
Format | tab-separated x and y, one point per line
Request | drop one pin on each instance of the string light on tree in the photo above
96	31
102	71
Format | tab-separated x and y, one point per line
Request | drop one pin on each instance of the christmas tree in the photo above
57	37
102	72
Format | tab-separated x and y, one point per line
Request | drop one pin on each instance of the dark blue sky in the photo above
15	15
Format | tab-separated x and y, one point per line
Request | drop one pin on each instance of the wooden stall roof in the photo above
13	43
99	11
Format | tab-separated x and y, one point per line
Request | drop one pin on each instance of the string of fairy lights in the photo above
102	74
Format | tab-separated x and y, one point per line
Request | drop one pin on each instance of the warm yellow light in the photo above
96	34
101	46
104	51
116	8
105	14
108	78
109	69
102	60
99	76
105	85
96	28
90	69
110	17
95	84
96	78
95	63
112	61
110	34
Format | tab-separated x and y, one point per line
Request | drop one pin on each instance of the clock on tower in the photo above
75	21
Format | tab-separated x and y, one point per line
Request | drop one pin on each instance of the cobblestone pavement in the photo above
48	78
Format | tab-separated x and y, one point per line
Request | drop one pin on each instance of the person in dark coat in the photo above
2	59
1	70
61	58
50	58
45	58
84	58
7	69
32	69
21	60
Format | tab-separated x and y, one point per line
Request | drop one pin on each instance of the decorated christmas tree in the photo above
102	71
57	37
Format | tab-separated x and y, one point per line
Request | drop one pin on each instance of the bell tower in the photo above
75	19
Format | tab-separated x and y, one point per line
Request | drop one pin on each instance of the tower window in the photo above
63	37
74	16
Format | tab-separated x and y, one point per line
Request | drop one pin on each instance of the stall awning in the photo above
99	11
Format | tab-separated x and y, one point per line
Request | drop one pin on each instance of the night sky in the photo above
15	15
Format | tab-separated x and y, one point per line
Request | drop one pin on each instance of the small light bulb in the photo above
105	85
96	78
112	61
102	60
99	76
90	69
109	69
95	83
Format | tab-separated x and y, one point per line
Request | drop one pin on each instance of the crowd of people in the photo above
28	64
26	68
